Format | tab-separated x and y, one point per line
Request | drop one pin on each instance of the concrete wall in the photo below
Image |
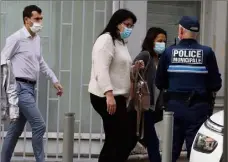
220	36
214	34
140	10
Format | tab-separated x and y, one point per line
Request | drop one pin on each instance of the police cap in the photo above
190	23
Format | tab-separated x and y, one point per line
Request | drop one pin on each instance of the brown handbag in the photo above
140	96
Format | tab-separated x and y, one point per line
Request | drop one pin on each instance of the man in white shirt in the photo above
23	49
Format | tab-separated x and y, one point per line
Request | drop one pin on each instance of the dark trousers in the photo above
187	121
115	148
150	140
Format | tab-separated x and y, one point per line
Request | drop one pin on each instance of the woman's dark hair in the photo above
117	18
151	35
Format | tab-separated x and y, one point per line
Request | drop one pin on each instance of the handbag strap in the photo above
147	65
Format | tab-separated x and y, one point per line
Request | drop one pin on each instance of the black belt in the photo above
26	81
187	96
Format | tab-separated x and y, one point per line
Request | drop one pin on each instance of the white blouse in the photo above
111	65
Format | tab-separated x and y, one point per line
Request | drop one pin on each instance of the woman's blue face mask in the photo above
126	32
159	47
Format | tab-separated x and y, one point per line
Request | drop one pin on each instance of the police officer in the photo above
189	72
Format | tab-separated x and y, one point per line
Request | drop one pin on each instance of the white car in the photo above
208	143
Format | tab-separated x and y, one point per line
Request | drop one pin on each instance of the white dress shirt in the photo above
24	51
111	66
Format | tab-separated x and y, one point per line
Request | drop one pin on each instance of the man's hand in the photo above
59	89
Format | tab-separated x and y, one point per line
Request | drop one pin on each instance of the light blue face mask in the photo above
126	33
159	47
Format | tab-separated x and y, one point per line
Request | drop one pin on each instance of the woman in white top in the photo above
109	84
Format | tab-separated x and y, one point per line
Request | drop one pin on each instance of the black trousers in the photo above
116	147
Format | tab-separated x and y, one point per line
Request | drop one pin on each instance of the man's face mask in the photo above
159	47
36	27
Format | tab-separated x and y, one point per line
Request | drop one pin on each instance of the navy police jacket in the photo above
188	67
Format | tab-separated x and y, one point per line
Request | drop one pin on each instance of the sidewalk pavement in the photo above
132	158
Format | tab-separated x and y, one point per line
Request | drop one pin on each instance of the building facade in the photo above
70	28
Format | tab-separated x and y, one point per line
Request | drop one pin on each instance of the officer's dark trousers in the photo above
115	148
187	121
150	139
